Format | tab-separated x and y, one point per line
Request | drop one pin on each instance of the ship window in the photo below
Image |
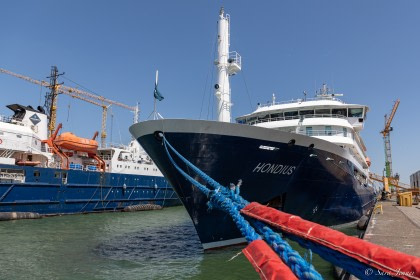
323	111
306	112
277	115
355	112
309	130
251	120
57	174
344	132
290	115
37	173
328	130
264	117
340	111
18	136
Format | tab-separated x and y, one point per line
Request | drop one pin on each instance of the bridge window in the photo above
356	112
306	112
340	111
277	115
323	111
291	114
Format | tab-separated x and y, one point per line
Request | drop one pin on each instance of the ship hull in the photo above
50	191
298	174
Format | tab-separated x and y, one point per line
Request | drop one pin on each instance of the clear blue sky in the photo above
368	50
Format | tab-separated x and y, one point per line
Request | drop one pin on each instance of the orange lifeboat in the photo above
27	163
69	141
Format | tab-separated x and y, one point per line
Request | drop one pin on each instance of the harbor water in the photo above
138	245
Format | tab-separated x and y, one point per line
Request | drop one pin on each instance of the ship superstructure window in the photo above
264	117
340	111
37	173
328	130
309	130
57	174
344	131
291	114
356	112
276	115
306	112
18	136
323	111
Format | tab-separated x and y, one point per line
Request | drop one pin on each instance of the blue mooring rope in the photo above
229	201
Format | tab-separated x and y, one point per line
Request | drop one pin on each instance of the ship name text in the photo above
274	168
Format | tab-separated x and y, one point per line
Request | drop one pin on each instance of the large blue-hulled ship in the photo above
66	174
303	156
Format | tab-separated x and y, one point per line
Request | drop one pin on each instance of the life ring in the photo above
1	141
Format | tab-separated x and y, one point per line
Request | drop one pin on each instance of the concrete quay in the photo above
398	228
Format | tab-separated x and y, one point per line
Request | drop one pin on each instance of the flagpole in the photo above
157	96
154	110
156	82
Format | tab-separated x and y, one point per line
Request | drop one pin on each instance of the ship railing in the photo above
115	145
325	133
300	100
5	119
235	57
302	117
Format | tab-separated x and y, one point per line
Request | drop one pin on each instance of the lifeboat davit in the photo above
69	141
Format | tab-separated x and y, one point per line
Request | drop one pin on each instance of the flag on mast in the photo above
156	92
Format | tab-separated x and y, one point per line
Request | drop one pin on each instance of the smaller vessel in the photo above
67	174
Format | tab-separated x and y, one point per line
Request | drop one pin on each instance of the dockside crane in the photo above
387	140
57	88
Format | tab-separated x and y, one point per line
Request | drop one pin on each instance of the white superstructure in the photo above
23	142
325	117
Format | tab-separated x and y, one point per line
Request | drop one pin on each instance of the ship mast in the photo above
228	64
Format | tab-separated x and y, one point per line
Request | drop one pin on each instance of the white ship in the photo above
304	156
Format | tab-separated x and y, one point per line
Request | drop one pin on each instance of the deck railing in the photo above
325	133
5	119
300	100
286	118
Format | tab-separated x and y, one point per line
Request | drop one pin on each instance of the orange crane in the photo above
56	88
387	141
